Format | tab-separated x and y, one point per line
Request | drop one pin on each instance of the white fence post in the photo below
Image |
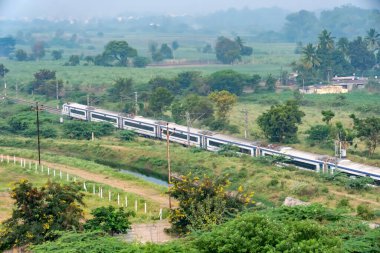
109	196
60	174
54	173
48	171
14	159
145	207
126	201
160	214
8	158
84	186
136	205
30	165
42	168
93	189
67	177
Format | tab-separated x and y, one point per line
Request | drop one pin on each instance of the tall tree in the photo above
224	101
227	51
7	46
270	83
39	212
166	51
21	55
160	99
361	58
368	129
310	58
3	70
38	50
372	39
228	80
327	116
342	46
118	52
121	89
325	49
279	124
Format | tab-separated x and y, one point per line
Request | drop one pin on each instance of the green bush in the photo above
127	135
365	212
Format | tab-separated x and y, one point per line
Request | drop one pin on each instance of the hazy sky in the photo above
104	8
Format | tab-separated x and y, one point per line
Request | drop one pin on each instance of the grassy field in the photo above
271	184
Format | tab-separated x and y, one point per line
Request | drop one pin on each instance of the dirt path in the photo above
127	186
153	232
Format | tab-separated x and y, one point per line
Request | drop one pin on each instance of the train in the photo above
214	141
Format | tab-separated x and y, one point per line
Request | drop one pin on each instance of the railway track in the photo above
42	107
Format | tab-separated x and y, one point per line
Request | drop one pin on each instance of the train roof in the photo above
360	167
303	154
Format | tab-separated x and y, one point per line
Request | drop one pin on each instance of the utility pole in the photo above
88	100
5	88
245	113
168	158
188	122
37	108
16	90
56	89
136	104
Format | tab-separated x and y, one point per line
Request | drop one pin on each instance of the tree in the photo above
325	49
118	52
361	58
301	26
228	80
21	55
223	101
74	60
39	212
319	133
82	130
45	83
160	99
140	62
279	124
204	203
56	54
7	46
110	220
169	84
270	83
310	58
327	116
121	89
175	45
342	46
38	50
166	51
3	70
199	108
372	39
227	51
244	50
368	129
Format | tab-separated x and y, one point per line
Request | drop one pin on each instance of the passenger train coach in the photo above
214	141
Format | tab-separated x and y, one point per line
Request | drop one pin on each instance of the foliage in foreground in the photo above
110	220
39	212
204	203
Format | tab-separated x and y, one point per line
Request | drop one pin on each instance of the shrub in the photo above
365	212
127	135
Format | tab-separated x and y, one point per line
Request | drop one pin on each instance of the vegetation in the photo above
39	212
279	124
203	202
110	220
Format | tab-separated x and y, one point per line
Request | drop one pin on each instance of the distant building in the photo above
350	82
326	89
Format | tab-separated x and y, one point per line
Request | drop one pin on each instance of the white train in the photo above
213	141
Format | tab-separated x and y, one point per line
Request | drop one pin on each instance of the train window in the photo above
105	118
181	136
136	125
302	164
215	144
77	112
245	151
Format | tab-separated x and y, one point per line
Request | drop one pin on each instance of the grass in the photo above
253	174
11	173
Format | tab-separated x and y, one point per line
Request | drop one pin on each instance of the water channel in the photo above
146	178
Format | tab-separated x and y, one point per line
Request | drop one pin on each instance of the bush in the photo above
110	220
365	212
343	203
305	190
360	183
127	135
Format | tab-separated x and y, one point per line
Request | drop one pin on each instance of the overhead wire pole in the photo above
136	104
37	109
57	90
188	122
245	113
168	158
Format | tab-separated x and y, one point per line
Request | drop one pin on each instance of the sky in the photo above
110	8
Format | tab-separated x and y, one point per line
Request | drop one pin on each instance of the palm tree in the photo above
325	40
310	59
372	39
342	46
